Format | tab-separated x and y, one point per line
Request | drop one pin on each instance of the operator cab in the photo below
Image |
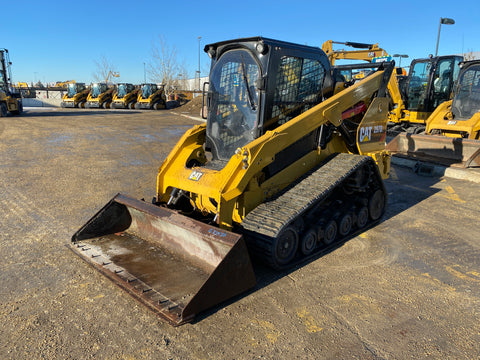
74	89
124	89
430	82
242	104
148	89
466	101
97	89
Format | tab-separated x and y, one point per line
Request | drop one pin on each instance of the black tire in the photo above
285	246
19	110
376	204
3	110
362	217
330	232
308	242
345	224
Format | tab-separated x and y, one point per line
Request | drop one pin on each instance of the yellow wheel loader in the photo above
76	96
124	96
284	169
100	96
151	96
452	135
10	101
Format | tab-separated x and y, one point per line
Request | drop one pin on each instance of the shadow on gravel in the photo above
83	112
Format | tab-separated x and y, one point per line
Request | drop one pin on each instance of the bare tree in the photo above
104	70
165	67
469	55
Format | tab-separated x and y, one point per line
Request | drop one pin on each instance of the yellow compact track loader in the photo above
76	96
10	101
452	135
283	170
100	96
151	96
124	97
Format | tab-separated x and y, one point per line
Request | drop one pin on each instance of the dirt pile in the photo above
192	107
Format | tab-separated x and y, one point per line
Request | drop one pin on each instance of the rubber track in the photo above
267	220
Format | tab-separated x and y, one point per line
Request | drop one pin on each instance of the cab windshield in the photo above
467	95
98	89
71	90
148	90
234	102
122	90
418	86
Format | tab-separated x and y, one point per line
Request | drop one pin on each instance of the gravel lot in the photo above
408	288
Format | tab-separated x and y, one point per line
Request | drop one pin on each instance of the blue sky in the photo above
61	40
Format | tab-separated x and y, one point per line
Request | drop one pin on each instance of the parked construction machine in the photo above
100	96
452	135
151	96
10	101
429	83
76	96
413	97
284	169
124	96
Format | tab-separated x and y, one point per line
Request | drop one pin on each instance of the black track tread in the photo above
264	223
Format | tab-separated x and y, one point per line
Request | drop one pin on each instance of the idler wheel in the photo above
285	246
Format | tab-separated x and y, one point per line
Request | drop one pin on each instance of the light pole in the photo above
444	21
400	56
199	38
144	74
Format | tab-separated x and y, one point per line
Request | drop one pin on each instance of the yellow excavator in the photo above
429	83
151	96
76	96
10	101
452	135
288	165
413	97
124	96
100	96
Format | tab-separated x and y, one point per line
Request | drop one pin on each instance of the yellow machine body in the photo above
124	96
10	99
288	165
151	96
76	95
452	135
100	96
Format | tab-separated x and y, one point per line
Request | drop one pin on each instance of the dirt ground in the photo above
407	288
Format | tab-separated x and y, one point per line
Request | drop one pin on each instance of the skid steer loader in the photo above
124	97
100	96
283	170
76	96
151	96
452	135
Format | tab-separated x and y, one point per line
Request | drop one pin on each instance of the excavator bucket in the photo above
175	265
437	149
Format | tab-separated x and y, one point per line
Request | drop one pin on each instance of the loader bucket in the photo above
437	149
175	265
